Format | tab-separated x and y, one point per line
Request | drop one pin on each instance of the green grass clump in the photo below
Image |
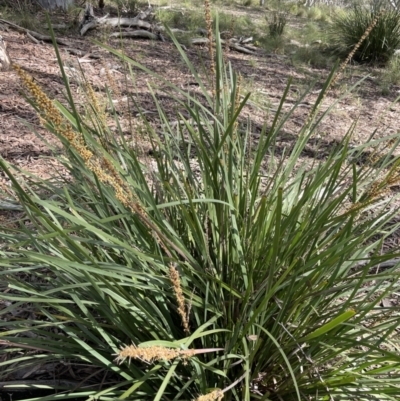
381	43
276	23
275	44
314	55
224	267
20	13
310	32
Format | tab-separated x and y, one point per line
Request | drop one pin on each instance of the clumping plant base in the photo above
249	278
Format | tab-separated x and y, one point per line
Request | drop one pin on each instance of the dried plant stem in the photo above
356	47
111	81
236	108
95	104
207	12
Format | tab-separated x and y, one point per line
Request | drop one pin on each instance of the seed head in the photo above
151	354
214	395
176	283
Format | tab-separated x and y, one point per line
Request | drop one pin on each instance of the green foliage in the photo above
301	13
241	25
382	41
20	13
314	13
172	18
278	259
276	44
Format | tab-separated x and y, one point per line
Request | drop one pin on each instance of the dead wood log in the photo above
91	22
231	44
115	22
240	49
36	35
5	61
33	39
135	34
88	15
161	28
251	47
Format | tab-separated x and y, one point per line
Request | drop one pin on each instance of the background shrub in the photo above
277	23
382	41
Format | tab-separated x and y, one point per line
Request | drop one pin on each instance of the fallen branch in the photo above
199	41
246	40
92	22
388	264
34	34
115	22
81	53
134	34
240	49
75	52
33	39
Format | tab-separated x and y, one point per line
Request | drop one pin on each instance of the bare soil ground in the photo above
264	75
